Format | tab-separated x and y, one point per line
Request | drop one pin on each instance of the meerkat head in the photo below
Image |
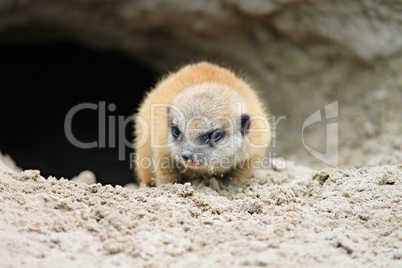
207	126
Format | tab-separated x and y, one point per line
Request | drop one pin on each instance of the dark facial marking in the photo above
245	124
216	135
176	132
212	137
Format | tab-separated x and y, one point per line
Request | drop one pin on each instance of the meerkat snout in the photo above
187	156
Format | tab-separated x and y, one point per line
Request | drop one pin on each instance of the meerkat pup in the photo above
202	121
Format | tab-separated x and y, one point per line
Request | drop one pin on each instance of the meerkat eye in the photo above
216	136
176	132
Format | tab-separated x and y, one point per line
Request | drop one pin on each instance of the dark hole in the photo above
40	83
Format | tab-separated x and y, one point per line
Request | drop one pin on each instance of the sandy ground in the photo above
297	217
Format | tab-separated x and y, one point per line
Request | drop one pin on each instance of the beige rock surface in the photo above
291	218
302	54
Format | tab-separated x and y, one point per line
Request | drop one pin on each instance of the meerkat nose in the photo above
187	156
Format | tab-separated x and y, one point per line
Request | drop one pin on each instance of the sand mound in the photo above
297	216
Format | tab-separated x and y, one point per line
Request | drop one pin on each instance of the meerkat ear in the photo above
245	124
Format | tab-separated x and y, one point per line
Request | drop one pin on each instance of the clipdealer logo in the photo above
330	112
112	129
103	131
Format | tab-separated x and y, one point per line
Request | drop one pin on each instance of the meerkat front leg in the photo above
244	172
165	171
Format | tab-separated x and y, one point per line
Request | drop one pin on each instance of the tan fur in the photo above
197	89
